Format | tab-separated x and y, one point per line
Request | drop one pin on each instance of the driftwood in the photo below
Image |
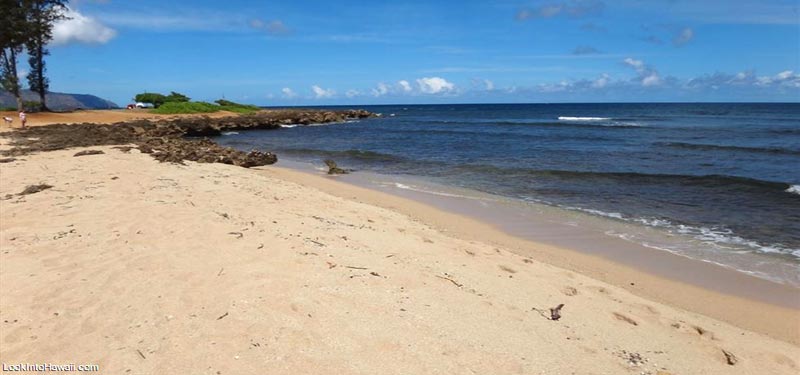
729	357
89	152
222	316
450	280
555	312
32	189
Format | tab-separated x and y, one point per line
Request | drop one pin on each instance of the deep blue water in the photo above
726	173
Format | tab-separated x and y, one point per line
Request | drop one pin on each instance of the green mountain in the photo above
58	101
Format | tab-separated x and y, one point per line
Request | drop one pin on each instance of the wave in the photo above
794	189
505	134
725	181
434	192
351	154
554	124
723	238
289	126
568	118
230	133
711	147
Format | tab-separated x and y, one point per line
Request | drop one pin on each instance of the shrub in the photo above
150	97
32	106
176	97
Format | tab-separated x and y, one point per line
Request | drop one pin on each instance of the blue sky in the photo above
465	51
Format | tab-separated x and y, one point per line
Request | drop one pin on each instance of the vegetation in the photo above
41	15
204	107
12	39
157	100
176	97
28	24
150	97
32	106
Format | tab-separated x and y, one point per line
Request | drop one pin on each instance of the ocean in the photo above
719	180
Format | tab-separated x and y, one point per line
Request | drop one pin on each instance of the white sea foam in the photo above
288	126
229	133
613	215
793	189
568	118
720	238
443	194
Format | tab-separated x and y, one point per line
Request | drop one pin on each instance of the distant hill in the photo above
58	101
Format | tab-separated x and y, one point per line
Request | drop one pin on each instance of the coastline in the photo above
157	267
759	308
558	228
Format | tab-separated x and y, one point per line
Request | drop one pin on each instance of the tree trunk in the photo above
15	91
40	76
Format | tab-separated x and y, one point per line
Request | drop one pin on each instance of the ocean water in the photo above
723	177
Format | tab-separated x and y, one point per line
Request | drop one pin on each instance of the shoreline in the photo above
778	303
516	218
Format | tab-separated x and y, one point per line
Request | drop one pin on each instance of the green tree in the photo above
40	16
13	32
150	97
176	97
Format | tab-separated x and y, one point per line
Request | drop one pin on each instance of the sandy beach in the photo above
144	267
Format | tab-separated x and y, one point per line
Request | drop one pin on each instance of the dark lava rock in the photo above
333	168
165	139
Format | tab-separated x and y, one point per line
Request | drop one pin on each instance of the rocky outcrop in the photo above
166	140
209	127
333	168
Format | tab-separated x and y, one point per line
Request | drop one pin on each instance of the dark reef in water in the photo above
166	140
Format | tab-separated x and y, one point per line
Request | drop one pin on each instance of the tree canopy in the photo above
27	24
157	99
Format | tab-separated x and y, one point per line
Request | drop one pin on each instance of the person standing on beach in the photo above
22	118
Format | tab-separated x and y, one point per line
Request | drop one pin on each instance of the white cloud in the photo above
636	64
572	8
601	82
489	84
434	85
645	73
784	75
78	28
404	85
274	27
784	78
381	90
288	93
683	37
277	27
651	80
320	93
352	93
257	24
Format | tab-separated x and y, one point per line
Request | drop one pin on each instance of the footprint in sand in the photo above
569	291
704	332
